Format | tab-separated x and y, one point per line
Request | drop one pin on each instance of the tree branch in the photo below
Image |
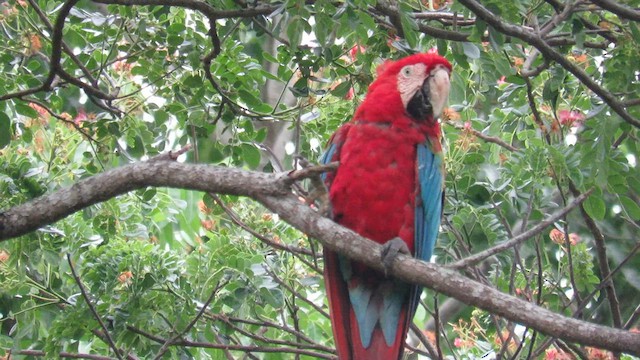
478	257
93	310
545	49
619	9
269	189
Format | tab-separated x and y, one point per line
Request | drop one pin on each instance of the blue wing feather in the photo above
428	212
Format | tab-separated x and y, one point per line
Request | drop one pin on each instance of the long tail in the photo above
375	327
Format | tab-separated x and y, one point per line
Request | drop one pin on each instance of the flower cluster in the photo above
559	237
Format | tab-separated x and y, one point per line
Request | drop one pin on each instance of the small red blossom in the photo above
355	50
207	224
350	94
122	66
599	354
83	116
555	354
570	117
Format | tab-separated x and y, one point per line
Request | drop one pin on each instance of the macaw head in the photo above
414	87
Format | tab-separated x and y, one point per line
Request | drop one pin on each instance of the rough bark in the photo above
272	191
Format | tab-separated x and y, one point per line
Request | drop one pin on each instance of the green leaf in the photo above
595	206
295	29
251	155
496	39
26	110
5	130
471	50
409	28
342	89
631	207
249	99
175	40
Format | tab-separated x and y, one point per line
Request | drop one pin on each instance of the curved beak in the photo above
428	102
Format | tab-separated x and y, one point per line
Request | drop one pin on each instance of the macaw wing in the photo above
332	153
428	211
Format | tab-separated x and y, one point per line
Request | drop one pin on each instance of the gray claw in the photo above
390	251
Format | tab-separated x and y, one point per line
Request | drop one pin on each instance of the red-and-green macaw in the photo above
388	188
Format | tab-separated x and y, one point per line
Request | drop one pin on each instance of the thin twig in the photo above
110	341
169	342
476	258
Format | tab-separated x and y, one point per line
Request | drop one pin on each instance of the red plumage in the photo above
373	192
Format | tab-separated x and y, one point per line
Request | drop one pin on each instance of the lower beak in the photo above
419	107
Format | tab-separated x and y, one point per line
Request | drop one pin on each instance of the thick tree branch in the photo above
48	209
449	282
200	6
619	9
271	190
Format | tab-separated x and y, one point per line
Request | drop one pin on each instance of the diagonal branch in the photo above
478	257
545	49
110	341
619	9
450	282
271	191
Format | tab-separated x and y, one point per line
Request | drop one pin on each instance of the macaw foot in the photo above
390	251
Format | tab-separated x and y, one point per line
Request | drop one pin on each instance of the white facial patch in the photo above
439	85
410	80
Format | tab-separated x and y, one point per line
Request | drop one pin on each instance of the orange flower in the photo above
203	208
4	256
448	114
430	335
499	340
555	354
125	277
122	66
599	354
42	118
558	237
518	61
503	158
35	43
207	224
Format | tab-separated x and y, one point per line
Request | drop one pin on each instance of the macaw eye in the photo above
406	71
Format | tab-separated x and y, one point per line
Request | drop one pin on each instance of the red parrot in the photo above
388	188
